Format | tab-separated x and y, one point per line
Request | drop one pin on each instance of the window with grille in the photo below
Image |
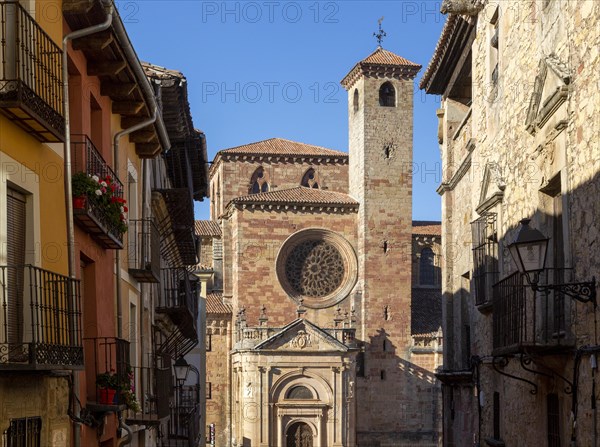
485	257
23	432
553	420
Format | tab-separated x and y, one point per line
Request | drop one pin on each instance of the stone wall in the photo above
231	179
218	375
533	150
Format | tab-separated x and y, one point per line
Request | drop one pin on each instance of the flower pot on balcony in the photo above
79	202
106	396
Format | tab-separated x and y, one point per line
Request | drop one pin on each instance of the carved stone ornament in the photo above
301	340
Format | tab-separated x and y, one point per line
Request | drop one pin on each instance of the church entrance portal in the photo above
299	435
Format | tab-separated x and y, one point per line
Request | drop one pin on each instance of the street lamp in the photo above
182	368
529	251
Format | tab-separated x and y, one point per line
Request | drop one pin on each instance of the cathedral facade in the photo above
324	308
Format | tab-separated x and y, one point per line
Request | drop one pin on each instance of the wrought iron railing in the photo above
154	391
179	293
30	70
107	357
485	257
144	250
40	318
93	215
526	321
184	423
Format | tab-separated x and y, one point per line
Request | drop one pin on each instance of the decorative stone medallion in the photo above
317	266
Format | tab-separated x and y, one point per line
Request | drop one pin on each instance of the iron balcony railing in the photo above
31	86
107	360
179	298
40	318
93	215
524	321
144	250
154	391
184	423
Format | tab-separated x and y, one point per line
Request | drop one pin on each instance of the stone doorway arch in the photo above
299	434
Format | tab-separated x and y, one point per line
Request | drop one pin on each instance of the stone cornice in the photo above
279	158
460	172
290	207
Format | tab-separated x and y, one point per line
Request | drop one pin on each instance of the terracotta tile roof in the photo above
382	63
215	305
208	228
426	311
299	196
159	72
385	57
280	146
427	227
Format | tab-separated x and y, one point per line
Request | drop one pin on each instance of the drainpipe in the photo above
118	136
67	177
126	440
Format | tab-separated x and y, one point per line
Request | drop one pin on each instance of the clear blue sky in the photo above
265	69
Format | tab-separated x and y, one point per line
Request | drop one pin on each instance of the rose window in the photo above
315	268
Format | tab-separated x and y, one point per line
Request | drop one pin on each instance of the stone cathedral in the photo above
324	307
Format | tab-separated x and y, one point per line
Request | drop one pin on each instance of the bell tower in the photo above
380	115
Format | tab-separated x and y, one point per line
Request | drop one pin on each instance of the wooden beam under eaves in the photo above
117	90
98	41
143	136
77	6
130	121
106	68
147	150
127	107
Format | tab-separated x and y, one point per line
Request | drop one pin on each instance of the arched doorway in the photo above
299	434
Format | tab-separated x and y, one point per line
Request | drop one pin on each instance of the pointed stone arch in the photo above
310	179
259	182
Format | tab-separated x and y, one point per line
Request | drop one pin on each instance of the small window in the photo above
24	432
553	420
360	364
259	181
310	180
299	392
356	100
209	390
387	95
427	267
496	415
208	342
382	374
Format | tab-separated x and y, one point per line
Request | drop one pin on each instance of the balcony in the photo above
93	216
179	300
144	250
524	322
40	320
31	90
106	357
184	423
155	390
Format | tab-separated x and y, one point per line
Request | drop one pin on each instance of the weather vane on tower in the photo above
381	34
